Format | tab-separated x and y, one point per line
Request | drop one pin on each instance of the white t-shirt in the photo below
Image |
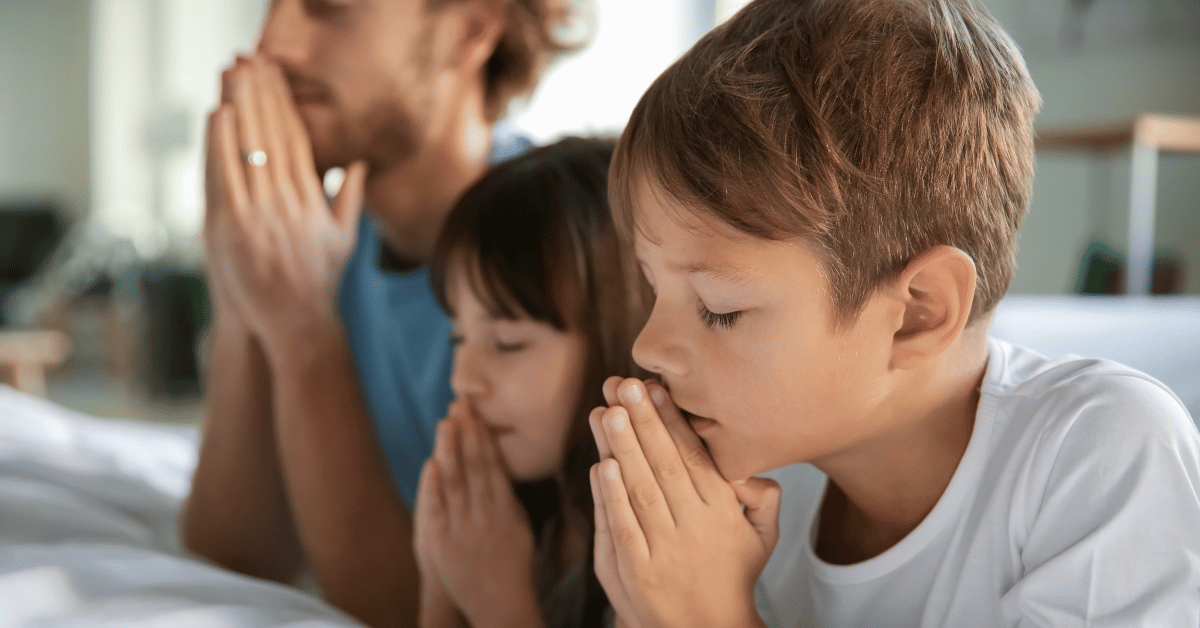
1076	503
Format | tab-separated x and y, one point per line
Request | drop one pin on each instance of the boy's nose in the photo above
657	348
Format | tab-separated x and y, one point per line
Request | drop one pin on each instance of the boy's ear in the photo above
936	290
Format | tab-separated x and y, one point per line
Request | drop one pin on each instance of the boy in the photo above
825	197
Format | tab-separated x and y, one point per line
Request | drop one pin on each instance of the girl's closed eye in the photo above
514	346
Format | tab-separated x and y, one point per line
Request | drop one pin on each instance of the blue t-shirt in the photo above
400	338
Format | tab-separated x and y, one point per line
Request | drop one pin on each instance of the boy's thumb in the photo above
761	498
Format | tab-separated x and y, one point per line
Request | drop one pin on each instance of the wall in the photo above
1122	59
44	102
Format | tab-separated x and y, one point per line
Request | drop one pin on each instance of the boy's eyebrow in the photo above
735	275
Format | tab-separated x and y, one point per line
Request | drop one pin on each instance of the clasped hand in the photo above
674	546
472	537
276	249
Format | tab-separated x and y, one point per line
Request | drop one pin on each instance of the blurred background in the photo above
103	305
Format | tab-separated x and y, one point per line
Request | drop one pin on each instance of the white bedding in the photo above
88	506
88	537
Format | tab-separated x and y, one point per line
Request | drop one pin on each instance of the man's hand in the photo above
276	249
674	546
471	532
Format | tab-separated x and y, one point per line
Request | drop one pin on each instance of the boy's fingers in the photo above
604	551
705	476
761	497
629	539
610	390
659	447
598	432
646	496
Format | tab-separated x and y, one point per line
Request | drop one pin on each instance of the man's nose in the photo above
285	32
658	347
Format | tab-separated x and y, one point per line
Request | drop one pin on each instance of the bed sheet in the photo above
88	506
88	511
1159	336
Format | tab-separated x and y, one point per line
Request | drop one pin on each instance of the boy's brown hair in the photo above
873	129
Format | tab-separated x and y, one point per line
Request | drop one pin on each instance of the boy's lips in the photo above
697	422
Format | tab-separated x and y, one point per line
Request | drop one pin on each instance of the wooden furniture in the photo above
1145	137
25	356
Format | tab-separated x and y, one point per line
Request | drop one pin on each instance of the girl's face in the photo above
741	335
521	378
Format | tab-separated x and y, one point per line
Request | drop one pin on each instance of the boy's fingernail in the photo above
617	422
609	470
659	396
632	393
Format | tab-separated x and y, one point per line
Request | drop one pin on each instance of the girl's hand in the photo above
437	609
476	533
673	544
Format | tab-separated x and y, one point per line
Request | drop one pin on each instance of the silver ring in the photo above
256	157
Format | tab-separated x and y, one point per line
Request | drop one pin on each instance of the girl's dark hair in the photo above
535	238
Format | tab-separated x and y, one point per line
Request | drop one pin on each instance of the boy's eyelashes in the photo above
715	320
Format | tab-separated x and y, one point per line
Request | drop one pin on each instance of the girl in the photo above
545	306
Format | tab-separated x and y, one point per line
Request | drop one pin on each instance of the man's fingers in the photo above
659	447
347	205
251	140
705	476
628	536
761	497
224	137
279	159
297	142
645	494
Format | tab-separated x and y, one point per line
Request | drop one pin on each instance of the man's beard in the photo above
386	134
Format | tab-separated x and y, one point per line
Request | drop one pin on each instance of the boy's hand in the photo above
472	531
673	544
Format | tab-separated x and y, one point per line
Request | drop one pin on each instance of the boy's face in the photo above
741	334
521	378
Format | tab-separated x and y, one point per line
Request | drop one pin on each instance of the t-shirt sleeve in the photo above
1112	536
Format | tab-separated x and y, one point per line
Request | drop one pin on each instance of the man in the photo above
331	359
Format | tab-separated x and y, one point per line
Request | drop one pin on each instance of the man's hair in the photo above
872	129
535	32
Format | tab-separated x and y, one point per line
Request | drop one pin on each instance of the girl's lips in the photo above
497	430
